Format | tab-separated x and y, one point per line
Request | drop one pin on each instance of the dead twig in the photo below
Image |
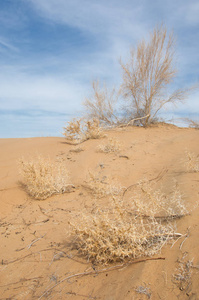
57	256
76	294
179	237
157	178
43	212
98	272
131	122
22	280
36	241
186	236
10	188
124	156
25	256
165	218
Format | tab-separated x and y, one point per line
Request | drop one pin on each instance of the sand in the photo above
35	258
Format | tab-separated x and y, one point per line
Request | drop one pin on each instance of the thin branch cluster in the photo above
125	232
144	89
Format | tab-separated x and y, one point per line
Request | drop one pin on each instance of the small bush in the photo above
192	123
100	186
182	278
73	131
192	162
126	232
147	200
143	289
43	178
113	146
76	150
118	236
81	130
93	130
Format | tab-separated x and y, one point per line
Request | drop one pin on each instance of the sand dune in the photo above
35	259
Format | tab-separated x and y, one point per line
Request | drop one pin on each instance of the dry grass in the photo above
192	162
147	198
100	186
93	129
112	146
126	231
80	130
76	150
43	178
73	131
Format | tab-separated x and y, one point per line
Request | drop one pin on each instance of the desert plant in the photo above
101	186
124	232
118	235
182	277
192	162
93	129
43	178
147	75
101	105
147	198
76	150
192	123
143	289
73	130
80	130
112	146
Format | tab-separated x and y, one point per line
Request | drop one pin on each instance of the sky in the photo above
52	50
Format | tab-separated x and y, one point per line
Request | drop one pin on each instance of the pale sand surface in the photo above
34	234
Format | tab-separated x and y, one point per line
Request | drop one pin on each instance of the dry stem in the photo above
98	272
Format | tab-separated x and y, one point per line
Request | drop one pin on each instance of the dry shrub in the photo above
118	235
192	162
112	146
143	289
101	105
73	131
93	130
100	186
147	75
182	278
43	178
125	232
76	150
148	200
192	123
80	130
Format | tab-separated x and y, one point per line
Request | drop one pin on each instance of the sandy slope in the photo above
34	253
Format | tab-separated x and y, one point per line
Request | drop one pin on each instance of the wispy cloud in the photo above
5	46
39	92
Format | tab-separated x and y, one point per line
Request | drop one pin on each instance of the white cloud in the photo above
22	91
5	45
92	16
191	12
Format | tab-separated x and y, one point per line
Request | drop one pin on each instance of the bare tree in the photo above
101	105
147	75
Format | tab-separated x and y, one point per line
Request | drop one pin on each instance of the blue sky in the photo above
51	50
